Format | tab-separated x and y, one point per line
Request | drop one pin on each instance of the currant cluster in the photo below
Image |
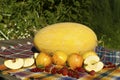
36	70
109	65
65	71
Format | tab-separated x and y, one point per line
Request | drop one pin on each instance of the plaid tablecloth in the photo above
27	50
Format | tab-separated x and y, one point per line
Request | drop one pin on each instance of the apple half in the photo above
28	62
14	64
35	55
93	63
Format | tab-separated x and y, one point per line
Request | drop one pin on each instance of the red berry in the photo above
41	69
112	66
48	68
108	63
70	72
37	70
105	66
76	75
92	72
59	71
65	72
80	69
54	70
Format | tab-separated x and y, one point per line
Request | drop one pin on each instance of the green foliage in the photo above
22	18
106	22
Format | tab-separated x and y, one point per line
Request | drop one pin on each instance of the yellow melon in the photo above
67	37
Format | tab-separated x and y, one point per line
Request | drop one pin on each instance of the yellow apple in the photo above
43	59
59	58
75	60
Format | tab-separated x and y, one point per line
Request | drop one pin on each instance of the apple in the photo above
75	60
93	63
14	64
88	53
35	55
43	59
28	62
59	58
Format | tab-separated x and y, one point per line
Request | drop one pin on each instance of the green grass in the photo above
22	18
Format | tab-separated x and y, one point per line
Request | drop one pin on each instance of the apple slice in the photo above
28	62
93	63
14	64
35	55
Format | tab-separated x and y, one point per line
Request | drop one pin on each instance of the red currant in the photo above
54	70
92	72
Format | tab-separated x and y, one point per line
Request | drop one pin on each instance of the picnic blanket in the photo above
28	50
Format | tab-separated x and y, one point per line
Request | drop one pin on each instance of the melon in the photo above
68	37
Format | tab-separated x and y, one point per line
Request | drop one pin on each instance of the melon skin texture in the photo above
67	37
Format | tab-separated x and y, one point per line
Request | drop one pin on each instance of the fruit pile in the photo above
72	65
65	48
67	44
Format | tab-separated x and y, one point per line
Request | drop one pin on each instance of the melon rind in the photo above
67	37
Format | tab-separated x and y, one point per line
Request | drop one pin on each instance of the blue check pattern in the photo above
27	50
108	55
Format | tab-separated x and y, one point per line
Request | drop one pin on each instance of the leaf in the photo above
40	66
77	3
1	17
52	1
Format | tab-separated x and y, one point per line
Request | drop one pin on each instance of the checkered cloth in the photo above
107	55
18	51
28	49
104	74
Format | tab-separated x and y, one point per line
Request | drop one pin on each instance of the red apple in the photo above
75	60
